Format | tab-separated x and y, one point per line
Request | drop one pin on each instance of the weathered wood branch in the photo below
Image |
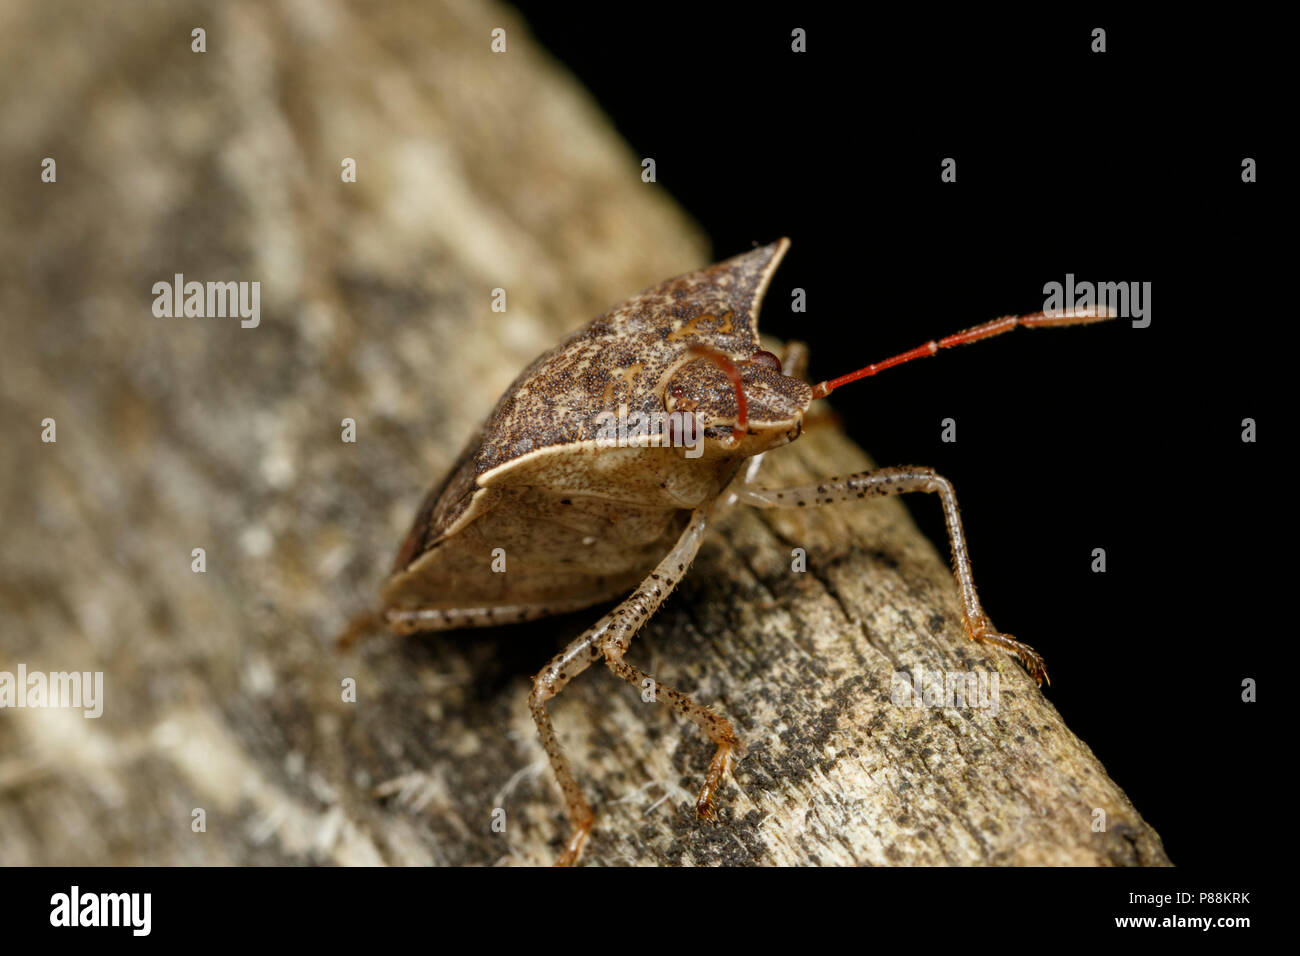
475	171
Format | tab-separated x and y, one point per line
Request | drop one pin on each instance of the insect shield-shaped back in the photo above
626	409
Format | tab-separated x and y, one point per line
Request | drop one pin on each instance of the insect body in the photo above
585	504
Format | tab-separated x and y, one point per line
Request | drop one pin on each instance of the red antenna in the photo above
987	330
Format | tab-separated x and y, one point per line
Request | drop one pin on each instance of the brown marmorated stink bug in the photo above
598	468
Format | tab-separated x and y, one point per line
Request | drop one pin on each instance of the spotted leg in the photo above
893	481
609	638
794	360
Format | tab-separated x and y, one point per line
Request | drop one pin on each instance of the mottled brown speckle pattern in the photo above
556	401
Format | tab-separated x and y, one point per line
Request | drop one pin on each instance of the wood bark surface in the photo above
476	171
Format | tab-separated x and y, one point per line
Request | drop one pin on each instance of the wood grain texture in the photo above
475	172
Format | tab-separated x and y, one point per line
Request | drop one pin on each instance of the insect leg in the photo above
716	726
417	620
421	619
899	480
356	628
608	637
628	620
566	665
794	360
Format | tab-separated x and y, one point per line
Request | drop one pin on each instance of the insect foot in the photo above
356	628
717	770
984	633
717	727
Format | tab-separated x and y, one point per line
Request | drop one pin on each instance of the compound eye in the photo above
766	358
675	399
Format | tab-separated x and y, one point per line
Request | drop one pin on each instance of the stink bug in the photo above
585	513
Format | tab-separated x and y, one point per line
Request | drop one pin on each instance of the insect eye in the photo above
766	358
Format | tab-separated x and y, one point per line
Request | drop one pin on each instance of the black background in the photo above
1122	166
